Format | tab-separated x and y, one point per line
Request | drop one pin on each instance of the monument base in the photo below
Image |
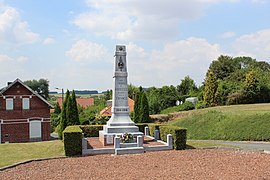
107	135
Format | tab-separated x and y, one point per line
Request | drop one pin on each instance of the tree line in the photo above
229	80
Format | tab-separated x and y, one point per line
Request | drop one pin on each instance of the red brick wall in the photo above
45	128
38	108
20	132
15	132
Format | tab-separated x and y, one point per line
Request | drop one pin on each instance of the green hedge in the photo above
141	126
179	136
72	137
91	130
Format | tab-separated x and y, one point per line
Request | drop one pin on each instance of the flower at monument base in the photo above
127	138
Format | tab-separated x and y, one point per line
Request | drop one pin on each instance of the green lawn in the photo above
193	144
17	152
238	122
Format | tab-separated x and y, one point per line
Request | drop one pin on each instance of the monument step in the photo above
132	150
122	129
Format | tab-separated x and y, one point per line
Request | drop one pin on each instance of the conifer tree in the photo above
57	109
72	111
144	114
137	106
63	120
210	90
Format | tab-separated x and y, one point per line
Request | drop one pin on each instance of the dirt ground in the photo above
187	164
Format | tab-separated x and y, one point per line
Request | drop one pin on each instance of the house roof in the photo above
84	102
3	90
108	110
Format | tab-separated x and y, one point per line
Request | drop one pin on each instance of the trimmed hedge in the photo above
91	130
179	136
72	137
141	126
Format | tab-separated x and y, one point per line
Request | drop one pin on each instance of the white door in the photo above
35	129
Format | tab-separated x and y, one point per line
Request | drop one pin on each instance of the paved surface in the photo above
255	145
54	136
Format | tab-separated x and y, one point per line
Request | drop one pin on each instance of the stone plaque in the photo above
109	139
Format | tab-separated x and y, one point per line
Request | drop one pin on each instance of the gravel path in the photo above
188	164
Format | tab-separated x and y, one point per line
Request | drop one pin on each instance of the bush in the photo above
55	120
152	128
179	136
201	105
72	136
187	106
91	130
141	126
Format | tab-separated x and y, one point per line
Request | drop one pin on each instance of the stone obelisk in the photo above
120	121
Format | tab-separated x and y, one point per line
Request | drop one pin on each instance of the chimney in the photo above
9	83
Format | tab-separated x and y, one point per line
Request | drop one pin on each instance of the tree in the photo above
187	86
144	115
57	109
108	95
63	120
223	67
72	111
154	100
141	107
132	90
251	87
210	89
41	87
137	106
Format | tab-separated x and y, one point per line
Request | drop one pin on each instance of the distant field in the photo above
238	122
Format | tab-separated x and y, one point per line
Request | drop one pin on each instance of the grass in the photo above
17	152
191	144
239	122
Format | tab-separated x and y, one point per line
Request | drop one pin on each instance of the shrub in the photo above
91	130
72	136
141	126
187	106
55	120
152	128
201	105
179	136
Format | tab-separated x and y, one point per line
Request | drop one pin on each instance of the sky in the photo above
72	42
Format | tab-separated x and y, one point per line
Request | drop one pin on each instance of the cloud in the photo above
137	19
4	58
13	29
256	45
169	65
12	68
48	40
228	34
85	50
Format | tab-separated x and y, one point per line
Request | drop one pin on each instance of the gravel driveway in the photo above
188	164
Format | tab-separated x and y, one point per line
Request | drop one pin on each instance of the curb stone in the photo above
29	161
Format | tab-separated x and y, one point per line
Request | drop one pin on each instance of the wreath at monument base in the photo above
127	138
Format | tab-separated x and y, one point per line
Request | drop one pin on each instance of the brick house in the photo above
84	102
108	110
24	114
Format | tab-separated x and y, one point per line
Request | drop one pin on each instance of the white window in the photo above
9	104
26	103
